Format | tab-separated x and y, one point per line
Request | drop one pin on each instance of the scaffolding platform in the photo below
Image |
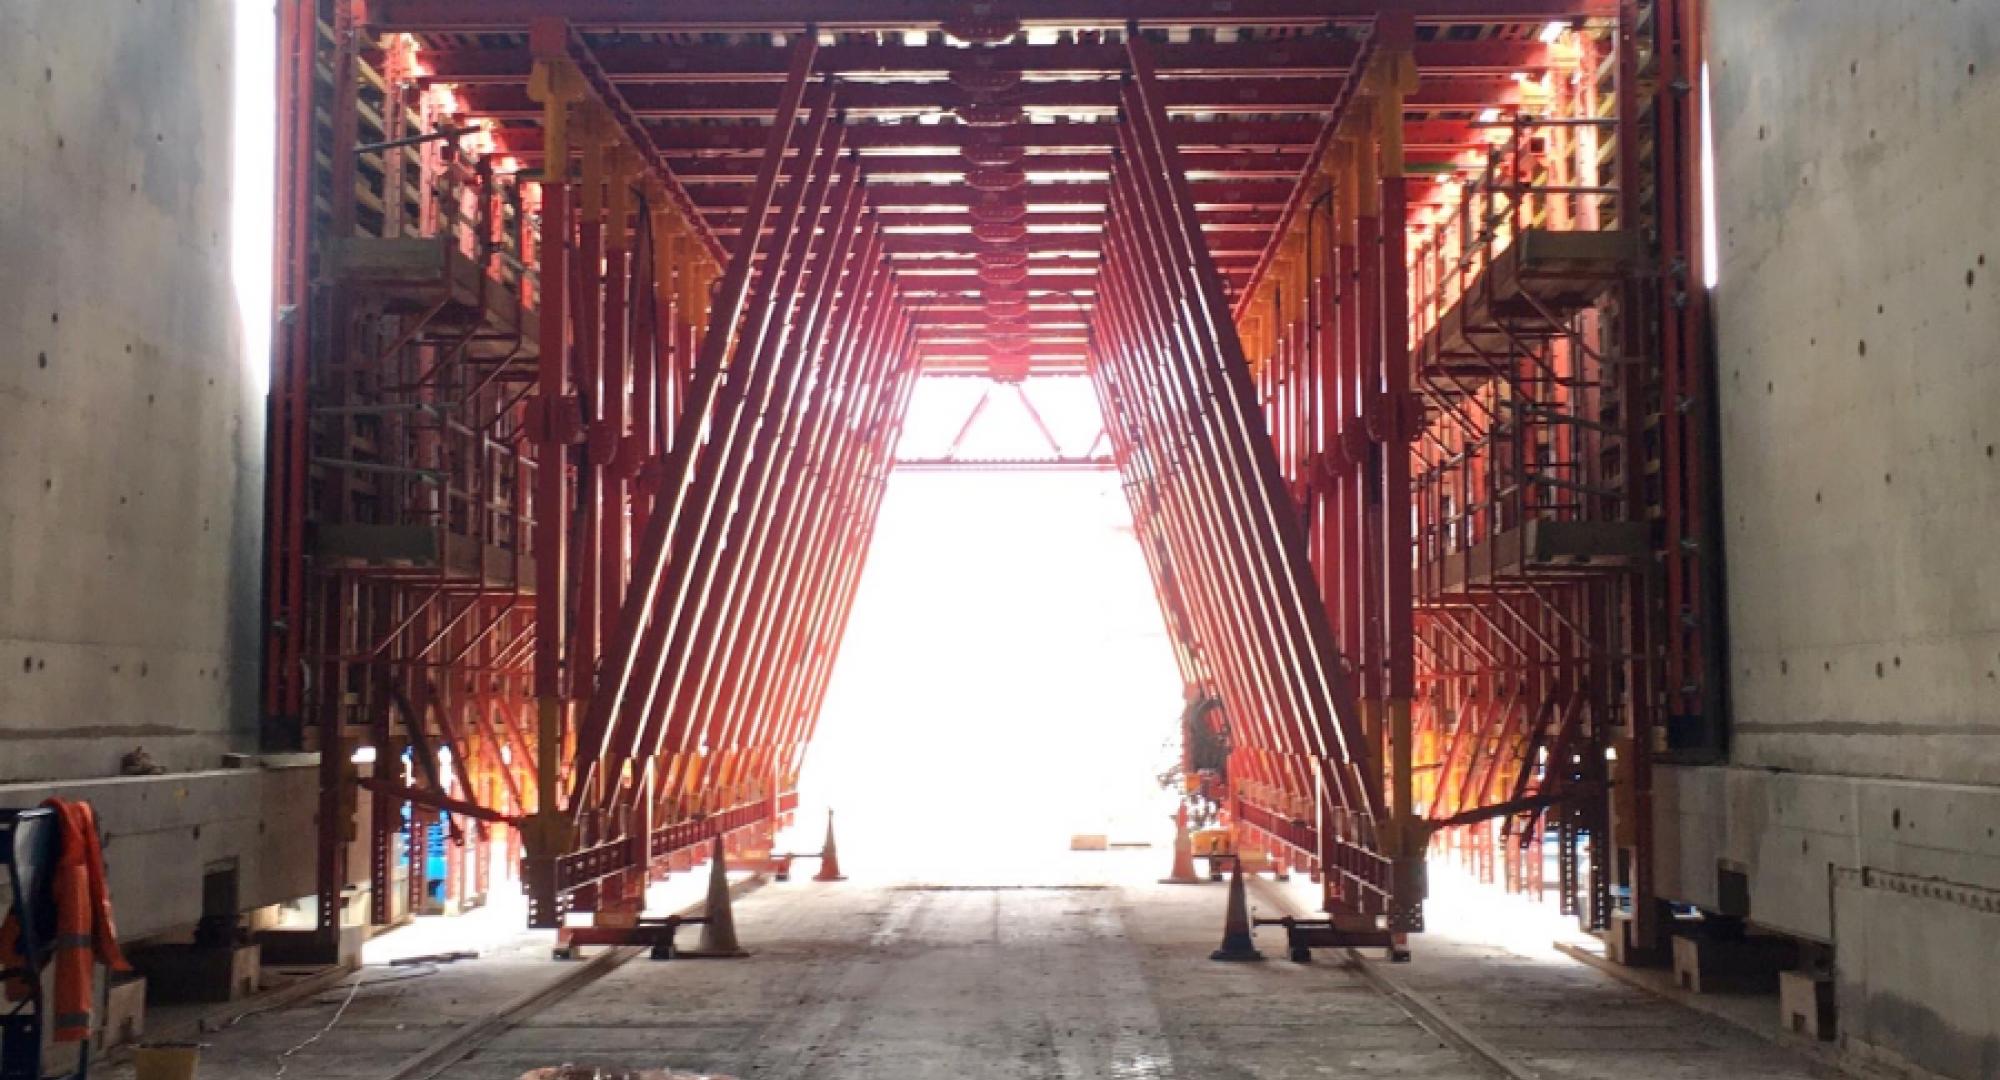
1540	550
433	278
1541	278
422	550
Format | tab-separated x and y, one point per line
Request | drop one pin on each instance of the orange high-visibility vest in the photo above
85	934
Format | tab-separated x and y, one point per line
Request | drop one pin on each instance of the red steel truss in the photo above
599	321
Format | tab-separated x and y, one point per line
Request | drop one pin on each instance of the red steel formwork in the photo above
599	321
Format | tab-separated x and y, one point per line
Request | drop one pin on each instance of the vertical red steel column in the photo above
1394	432
586	374
336	772
547	834
285	506
608	443
1637	612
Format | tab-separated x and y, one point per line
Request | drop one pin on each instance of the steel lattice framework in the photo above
600	319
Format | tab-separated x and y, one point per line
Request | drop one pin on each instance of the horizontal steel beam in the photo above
1248	194
958	245
1225	134
629	61
1300	96
1062	464
1268	165
781	16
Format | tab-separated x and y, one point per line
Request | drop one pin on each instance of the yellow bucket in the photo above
165	1061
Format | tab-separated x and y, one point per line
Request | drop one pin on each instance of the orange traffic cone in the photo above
1183	873
829	856
718	933
1236	943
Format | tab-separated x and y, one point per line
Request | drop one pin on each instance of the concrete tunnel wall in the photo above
1858	326
131	452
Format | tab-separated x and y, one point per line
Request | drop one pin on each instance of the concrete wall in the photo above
162	834
1858	320
131	434
131	455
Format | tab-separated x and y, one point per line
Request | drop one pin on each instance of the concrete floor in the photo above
1097	972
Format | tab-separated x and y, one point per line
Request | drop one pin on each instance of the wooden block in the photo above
284	947
1687	963
123	1020
1748	965
1805	1003
1090	842
184	973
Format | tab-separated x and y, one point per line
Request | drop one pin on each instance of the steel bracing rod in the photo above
1203	316
744	677
1175	605
1283	707
773	710
648	717
1166	588
1265	703
835	495
635	133
971	419
1200	529
873	477
1277	537
824	472
1174	454
1180	466
620	665
1198	533
692	706
1297	204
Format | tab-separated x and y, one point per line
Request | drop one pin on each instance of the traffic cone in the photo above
829	856
718	933
1183	873
1236	943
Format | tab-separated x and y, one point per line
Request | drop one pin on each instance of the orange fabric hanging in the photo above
85	934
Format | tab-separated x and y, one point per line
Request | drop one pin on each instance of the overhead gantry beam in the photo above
790	16
1184	97
672	63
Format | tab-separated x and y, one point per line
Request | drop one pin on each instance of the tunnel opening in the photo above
602	340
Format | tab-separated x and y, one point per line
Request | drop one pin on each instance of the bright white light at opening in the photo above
253	185
914	38
1553	32
1044	36
1711	251
363	755
1488	116
1611	753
